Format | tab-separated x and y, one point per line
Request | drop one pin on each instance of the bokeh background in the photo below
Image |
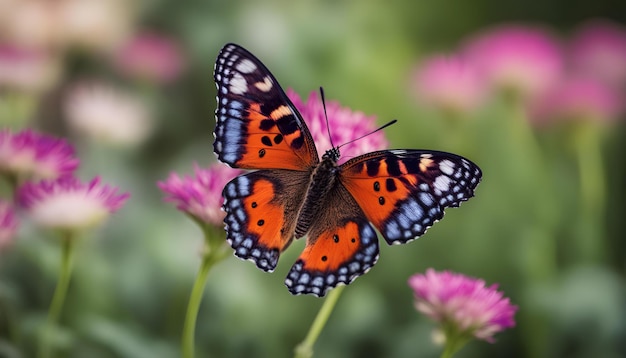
130	85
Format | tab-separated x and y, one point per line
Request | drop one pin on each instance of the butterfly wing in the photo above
341	245
261	210
257	125
404	192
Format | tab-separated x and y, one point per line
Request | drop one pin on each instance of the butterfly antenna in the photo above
372	132
326	116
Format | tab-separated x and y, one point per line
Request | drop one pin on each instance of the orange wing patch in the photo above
332	248
260	214
378	197
264	217
274	141
341	246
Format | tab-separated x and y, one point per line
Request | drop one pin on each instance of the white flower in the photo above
104	113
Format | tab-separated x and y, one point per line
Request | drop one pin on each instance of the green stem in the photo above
305	349
592	191
591	169
58	298
455	340
210	257
452	346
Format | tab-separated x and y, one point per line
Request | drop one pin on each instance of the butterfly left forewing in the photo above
404	192
257	125
341	245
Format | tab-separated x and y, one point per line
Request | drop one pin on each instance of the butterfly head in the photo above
332	154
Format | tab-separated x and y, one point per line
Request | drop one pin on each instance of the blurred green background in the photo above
528	228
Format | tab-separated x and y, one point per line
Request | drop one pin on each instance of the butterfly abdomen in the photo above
323	180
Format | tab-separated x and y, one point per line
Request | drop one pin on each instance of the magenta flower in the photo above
345	125
516	58
201	195
449	83
151	56
67	204
464	303
31	155
598	49
8	224
580	99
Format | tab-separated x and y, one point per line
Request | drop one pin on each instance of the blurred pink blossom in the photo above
27	69
32	155
200	196
516	58
449	83
68	204
8	224
463	303
598	49
151	56
579	98
345	125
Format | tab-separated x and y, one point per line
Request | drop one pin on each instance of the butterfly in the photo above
292	193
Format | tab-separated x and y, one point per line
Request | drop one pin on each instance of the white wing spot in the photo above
246	66
238	84
264	86
442	183
446	167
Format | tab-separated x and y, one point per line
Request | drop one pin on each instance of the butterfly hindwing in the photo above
404	192
341	246
261	212
257	125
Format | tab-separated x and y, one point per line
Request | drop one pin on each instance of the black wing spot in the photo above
267	124
336	238
381	200
260	222
266	140
376	186
261	153
372	167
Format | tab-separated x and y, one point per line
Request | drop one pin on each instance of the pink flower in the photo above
27	69
463	302
345	125
449	83
67	204
201	195
580	98
151	57
8	224
516	58
31	155
598	49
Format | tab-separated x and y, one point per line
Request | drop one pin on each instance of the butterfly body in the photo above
293	193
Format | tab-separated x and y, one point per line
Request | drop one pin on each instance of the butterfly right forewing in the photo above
404	192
